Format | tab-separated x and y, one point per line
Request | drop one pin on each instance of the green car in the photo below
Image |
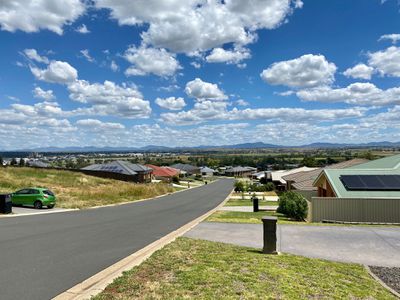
36	197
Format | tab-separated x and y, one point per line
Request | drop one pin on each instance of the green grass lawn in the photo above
76	190
248	217
195	269
235	202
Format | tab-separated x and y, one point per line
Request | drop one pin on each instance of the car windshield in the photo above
48	192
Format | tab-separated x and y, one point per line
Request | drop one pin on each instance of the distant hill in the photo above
256	145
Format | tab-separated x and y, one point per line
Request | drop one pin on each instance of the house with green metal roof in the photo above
330	183
366	193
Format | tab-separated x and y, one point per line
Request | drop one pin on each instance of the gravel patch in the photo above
390	276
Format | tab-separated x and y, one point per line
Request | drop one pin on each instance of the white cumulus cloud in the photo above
171	103
42	94
387	61
34	15
82	29
306	71
198	25
109	99
202	90
356	93
359	71
235	56
56	72
32	54
151	61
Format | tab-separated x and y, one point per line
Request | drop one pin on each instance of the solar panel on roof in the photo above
392	181
371	182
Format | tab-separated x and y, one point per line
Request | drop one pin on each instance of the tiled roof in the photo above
305	180
163	171
281	174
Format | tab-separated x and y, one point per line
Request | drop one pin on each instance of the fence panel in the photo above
355	210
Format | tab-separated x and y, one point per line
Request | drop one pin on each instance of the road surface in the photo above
44	255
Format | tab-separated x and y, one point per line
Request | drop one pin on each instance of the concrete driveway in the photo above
378	246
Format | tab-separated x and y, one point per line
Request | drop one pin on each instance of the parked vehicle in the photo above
36	197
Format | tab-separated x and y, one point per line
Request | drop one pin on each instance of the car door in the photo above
20	197
33	196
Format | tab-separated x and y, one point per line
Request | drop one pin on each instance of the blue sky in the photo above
206	72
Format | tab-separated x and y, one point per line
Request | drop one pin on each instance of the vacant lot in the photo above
194	269
76	190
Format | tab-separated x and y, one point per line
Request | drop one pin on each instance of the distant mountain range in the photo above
257	145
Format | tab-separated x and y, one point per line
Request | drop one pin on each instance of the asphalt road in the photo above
44	255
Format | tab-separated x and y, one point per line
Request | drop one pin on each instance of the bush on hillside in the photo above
293	206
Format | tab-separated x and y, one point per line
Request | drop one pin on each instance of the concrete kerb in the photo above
381	282
47	212
98	282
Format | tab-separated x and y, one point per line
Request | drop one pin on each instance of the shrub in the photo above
239	186
293	206
269	186
175	180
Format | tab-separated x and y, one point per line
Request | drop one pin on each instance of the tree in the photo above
1	161
21	162
309	161
367	155
70	164
13	162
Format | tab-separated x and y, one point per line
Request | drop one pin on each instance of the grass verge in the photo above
235	202
195	269
249	217
76	190
249	194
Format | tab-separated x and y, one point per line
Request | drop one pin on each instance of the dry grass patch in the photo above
76	190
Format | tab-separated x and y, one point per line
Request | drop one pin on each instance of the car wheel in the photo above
50	206
38	204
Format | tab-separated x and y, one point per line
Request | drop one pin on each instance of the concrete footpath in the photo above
377	246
